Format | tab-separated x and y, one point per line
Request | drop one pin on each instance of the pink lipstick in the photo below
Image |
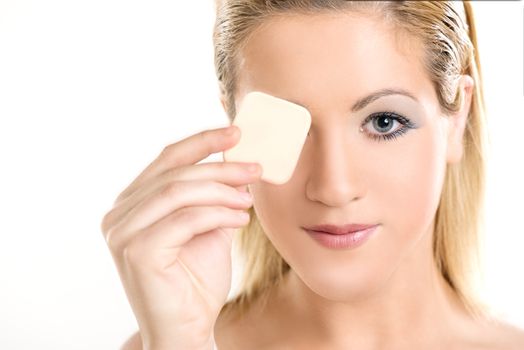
341	237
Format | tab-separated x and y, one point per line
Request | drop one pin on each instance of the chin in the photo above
341	285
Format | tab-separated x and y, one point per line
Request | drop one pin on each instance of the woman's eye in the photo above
383	122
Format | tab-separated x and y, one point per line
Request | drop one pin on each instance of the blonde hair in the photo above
447	31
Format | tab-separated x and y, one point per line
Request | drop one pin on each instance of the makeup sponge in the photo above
272	133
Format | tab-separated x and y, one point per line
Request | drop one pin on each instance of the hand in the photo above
170	234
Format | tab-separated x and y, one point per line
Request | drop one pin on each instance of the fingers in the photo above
176	229
231	173
188	151
173	197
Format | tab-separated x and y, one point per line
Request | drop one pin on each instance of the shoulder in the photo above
501	335
509	336
233	334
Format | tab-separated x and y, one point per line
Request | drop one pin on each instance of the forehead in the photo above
329	57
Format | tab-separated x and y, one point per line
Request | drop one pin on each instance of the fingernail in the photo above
246	196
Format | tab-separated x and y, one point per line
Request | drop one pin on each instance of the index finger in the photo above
185	152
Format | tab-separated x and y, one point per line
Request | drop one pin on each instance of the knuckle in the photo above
172	189
107	225
134	251
112	240
175	173
166	150
104	224
168	154
120	197
186	214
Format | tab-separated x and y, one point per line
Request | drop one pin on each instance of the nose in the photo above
335	172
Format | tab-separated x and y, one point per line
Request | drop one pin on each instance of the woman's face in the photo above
326	63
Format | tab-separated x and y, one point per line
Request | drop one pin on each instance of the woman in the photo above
396	143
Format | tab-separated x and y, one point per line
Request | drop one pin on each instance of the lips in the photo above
339	229
342	237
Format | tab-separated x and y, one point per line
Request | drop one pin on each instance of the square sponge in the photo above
272	133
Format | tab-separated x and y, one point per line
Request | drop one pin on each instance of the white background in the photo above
92	91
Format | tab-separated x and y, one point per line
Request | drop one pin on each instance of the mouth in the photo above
340	229
348	240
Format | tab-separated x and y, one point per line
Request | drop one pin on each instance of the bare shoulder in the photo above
502	335
133	343
511	336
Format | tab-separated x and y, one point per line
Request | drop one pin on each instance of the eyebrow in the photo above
364	101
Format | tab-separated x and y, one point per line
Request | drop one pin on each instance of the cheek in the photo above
402	187
409	191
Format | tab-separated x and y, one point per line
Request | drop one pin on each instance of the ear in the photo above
457	121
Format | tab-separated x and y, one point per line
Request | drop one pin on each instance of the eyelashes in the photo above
382	121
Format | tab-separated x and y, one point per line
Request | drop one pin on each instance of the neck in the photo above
415	304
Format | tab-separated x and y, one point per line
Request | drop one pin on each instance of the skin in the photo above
386	293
